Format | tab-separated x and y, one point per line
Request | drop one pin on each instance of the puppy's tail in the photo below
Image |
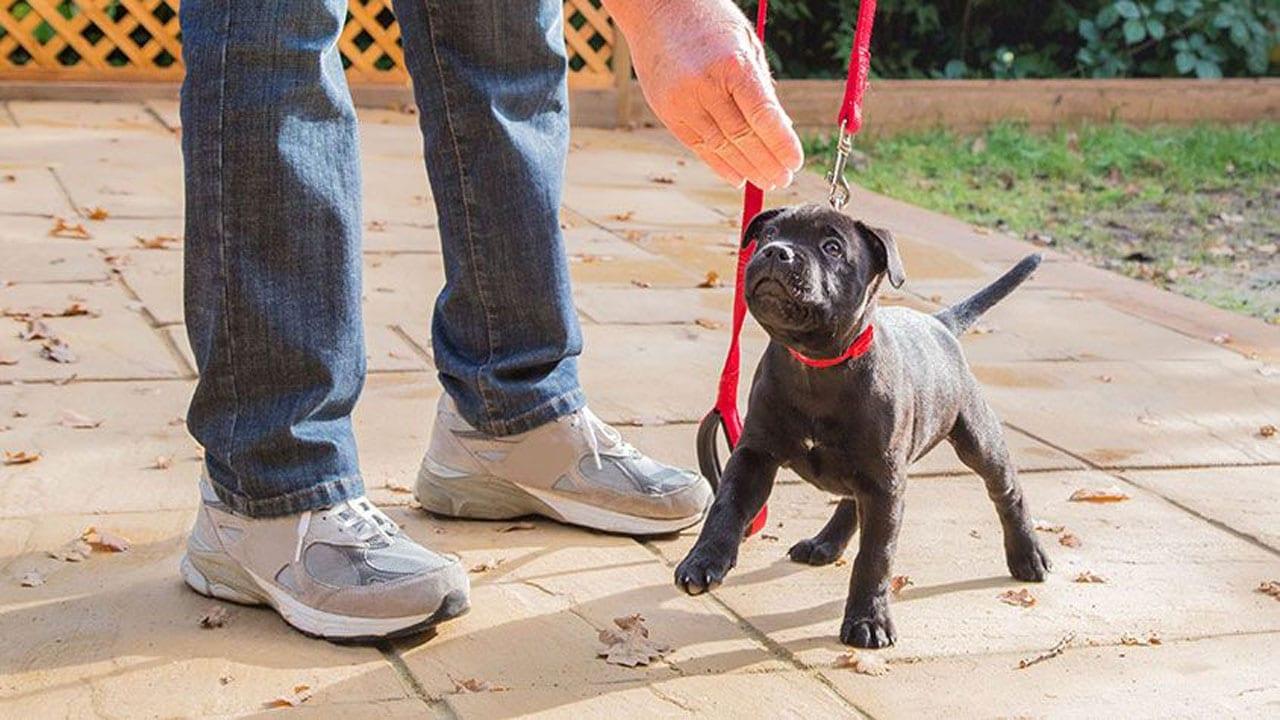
960	316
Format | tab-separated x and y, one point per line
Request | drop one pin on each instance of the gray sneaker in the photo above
342	573
576	470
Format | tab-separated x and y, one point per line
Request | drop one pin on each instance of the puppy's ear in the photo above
884	240
757	224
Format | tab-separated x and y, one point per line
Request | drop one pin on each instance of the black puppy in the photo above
848	396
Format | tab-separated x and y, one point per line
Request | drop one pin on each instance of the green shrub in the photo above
1013	39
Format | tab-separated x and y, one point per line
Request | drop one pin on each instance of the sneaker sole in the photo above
442	491
318	623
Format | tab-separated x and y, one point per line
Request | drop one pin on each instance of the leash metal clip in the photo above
840	190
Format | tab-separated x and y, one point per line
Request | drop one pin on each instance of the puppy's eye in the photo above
832	247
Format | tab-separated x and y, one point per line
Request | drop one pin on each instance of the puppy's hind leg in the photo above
831	540
979	442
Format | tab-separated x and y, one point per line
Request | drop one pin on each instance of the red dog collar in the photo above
857	349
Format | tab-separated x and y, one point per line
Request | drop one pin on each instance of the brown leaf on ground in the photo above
768	537
398	487
64	229
74	550
376	226
629	645
712	280
662	179
214	617
1265	431
1069	540
708	323
1221	338
642	283
1046	526
513	527
97	213
862	662
73	419
36	330
8	360
1133	640
20	457
1088	577
162	462
8	178
1105	495
104	540
476	685
57	350
623	216
31	578
76	309
156	242
1270	587
486	565
178	422
294	698
898	583
1049	654
1018	598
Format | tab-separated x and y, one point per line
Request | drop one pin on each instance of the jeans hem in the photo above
326	493
556	407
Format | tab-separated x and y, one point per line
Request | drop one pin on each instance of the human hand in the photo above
704	73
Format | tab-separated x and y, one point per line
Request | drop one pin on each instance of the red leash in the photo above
724	415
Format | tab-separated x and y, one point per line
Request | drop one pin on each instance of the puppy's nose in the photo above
779	252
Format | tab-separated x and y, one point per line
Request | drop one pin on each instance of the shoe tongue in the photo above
366	527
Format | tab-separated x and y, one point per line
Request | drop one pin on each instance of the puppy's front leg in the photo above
744	488
867	622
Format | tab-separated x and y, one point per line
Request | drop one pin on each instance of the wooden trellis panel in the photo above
123	40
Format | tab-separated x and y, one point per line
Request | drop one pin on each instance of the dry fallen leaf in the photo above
157	242
214	617
475	685
863	663
104	540
75	550
36	330
708	323
1222	338
642	283
1046	526
31	578
97	213
712	280
1088	577
768	537
1133	640
486	565
1069	540
20	457
57	350
1270	587
623	216
398	487
1267	431
629	645
513	527
64	229
662	179
1052	652
162	462
1106	495
294	698
898	583
76	309
73	419
8	360
1018	598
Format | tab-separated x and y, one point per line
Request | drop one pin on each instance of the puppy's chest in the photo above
824	459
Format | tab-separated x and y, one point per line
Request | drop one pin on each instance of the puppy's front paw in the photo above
702	570
869	630
815	551
1027	561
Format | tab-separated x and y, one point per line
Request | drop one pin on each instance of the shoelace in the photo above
592	427
365	520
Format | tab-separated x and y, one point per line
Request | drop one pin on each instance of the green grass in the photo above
1194	208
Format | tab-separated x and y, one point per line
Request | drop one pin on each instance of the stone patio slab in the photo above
52	261
80	642
1167	573
118	344
1140	414
1246	499
34	191
79	114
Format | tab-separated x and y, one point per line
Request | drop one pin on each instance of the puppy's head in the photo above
814	274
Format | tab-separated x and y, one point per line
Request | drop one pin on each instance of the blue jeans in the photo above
273	232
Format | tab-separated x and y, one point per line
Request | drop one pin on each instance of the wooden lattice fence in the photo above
127	40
